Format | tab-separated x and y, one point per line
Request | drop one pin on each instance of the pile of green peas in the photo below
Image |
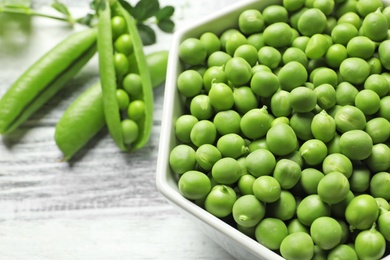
129	93
286	127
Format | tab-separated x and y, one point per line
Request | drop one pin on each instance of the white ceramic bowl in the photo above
229	238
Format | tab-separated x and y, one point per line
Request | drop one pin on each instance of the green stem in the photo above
28	11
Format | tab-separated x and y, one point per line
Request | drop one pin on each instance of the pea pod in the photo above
45	78
84	118
109	80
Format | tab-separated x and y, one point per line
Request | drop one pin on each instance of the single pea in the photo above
122	98
326	96
352	18
245	184
260	162
338	209
280	104
287	173
378	129
231	145
323	126
365	7
326	6
194	185
324	75
312	21
302	99
335	54
269	56
384	224
383	204
310	208
118	26
225	35
121	64
354	70
207	155
359	181
295	54
183	127
346	93
342	251
333	187
281	139
201	107
284	208
256	40
211	42
248	211
244	99
278	35
274	14
349	118
259	68
293	5
298	245
368	101
317	46
203	132
227	122
182	158
124	44
330	24
380	185
370	244
383	50
337	162
189	83
292	75
214	74
218	58
247	52
346	7
251	21
226	171
136	110
257	144
334	144
132	84
238	71
356	144
301	124
234	41
267	189
377	83
361	47
313	151
362	211
270	232
221	96
300	42
294	225
326	232
310	177
342	33
375	26
220	200
264	84
192	51
384	108
255	123
130	131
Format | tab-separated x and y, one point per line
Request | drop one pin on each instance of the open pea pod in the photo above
45	78
130	130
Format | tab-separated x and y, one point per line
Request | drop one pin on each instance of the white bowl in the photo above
233	241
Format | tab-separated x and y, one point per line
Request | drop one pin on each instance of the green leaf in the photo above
127	6
60	7
97	5
147	34
165	12
166	25
145	9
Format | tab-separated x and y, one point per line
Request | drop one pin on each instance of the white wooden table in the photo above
103	205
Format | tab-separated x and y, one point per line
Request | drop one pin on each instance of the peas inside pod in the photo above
287	117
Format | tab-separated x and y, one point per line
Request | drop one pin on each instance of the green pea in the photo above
356	144
218	58
132	84
298	245
317	46
313	151
201	107
257	144
227	122
287	173
248	211
207	155
292	75
183	127
334	144
295	54
260	162
354	70
238	71
278	35
326	232
118	25
368	101
346	93
214	74
361	47
333	187
124	44
245	184
244	99
189	83
256	40
335	54
280	104
302	99
378	129
264	84
384	224
251	21
226	35
221	96
383	50
136	110
310	208
300	42
121	64
342	33
310	177
270	232
130	131
342	252
274	14
337	162
295	225
301	124
359	181
182	158
192	51
281	139
362	211
323	126
220	201
231	145
226	171
122	98
247	52
194	185
384	109
379	185
284	208
377	83
203	132
255	123
267	189
375	26
234	41
293	5
211	42
312	21
269	56
349	118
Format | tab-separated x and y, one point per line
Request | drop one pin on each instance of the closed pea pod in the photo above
109	77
